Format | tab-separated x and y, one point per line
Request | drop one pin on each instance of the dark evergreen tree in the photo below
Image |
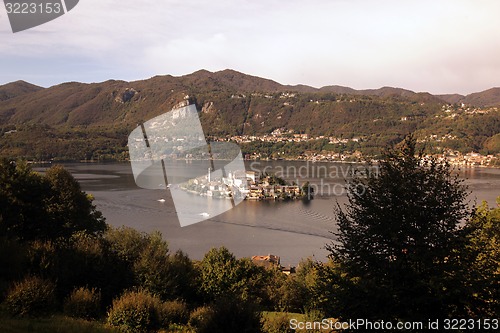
399	241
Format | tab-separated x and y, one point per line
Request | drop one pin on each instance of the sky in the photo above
438	46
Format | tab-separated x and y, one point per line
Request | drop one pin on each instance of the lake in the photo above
290	229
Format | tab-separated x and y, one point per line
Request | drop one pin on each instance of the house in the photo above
288	270
266	261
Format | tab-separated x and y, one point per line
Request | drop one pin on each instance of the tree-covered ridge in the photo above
92	121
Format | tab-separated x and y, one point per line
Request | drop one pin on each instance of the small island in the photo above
246	185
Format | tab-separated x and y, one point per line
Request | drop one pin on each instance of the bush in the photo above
12	255
278	324
32	296
173	312
83	303
227	315
201	318
136	311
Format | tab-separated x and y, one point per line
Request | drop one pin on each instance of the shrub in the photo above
201	318
32	296
12	255
135	311
278	324
173	312
83	303
227	315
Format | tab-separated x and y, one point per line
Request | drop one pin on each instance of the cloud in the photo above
445	46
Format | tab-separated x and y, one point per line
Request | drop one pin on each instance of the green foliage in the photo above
32	296
82	260
218	273
200	318
83	303
293	295
492	144
86	260
141	311
127	243
180	278
44	259
22	197
221	274
12	256
36	207
483	236
136	311
399	241
52	324
151	265
226	315
277	324
69	206
173	312
308	290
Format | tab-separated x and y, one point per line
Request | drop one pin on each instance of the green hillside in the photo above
92	121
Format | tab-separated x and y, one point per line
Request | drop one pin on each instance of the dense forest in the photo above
408	250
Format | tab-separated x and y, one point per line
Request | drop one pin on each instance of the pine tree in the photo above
399	240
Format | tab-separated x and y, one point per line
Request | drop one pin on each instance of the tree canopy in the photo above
483	250
44	206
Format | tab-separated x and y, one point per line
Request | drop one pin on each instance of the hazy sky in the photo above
437	46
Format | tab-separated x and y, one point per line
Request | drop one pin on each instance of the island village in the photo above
247	185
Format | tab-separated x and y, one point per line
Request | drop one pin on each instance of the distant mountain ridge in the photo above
17	88
248	83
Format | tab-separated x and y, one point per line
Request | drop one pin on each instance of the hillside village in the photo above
454	157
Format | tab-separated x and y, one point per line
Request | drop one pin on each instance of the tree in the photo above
151	265
221	274
232	287
45	207
483	250
22	199
399	239
69	207
218	273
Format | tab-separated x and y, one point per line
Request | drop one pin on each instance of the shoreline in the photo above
374	162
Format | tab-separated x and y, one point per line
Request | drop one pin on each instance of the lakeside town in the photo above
349	149
454	157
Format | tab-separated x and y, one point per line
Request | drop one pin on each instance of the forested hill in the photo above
84	121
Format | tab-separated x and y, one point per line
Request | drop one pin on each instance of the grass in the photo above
279	321
267	315
54	324
63	324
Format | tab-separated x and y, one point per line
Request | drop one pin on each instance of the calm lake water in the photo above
290	229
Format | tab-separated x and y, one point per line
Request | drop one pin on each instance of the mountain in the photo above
18	88
79	120
487	98
452	98
384	92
